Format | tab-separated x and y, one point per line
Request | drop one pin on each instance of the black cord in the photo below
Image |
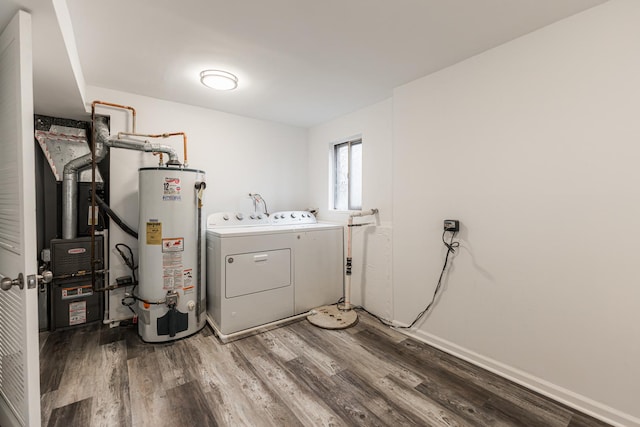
128	261
133	267
116	218
130	299
129	303
451	248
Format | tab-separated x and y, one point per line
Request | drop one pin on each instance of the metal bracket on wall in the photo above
34	279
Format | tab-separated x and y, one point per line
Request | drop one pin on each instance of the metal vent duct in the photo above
62	144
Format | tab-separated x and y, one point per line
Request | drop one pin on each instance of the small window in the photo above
347	175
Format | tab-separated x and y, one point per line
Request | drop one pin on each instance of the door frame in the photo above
19	31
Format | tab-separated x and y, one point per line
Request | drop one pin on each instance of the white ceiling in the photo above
299	62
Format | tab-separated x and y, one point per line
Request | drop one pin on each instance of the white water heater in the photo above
171	288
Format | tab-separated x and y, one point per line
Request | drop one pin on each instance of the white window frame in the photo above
333	193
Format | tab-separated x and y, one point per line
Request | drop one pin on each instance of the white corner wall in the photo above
239	155
371	278
535	147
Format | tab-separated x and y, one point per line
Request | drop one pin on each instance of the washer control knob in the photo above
252	216
260	216
225	217
293	214
239	216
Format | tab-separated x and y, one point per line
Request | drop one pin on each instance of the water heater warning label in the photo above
154	233
173	245
171	190
187	279
172	270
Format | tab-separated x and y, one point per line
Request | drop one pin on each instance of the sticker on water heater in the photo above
171	190
154	233
172	270
172	198
187	278
172	279
173	245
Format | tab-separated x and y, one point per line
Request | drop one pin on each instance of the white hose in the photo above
347	284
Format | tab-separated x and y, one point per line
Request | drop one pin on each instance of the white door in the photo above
19	358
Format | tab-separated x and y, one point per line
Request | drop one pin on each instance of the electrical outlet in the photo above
451	225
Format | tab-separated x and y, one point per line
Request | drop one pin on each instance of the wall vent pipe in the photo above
71	169
70	181
146	146
161	135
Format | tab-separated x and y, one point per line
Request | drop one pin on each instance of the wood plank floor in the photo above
296	375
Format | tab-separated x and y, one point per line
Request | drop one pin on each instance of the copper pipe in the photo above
93	195
111	104
161	135
93	179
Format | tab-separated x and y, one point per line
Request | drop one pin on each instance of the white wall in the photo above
238	154
534	146
371	279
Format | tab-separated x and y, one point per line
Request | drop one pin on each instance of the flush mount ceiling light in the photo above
219	80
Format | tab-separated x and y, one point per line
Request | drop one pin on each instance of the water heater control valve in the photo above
172	299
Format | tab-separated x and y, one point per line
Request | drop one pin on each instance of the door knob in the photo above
46	277
39	279
8	283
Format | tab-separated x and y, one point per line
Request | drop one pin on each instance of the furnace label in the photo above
77	313
80	291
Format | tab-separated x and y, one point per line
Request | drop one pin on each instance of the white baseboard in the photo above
574	400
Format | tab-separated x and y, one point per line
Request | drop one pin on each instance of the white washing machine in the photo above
263	269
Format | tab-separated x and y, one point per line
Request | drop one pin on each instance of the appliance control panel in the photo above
241	219
292	218
236	219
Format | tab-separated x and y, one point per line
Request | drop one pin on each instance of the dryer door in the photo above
257	272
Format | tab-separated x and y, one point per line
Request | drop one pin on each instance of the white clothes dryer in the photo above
262	270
